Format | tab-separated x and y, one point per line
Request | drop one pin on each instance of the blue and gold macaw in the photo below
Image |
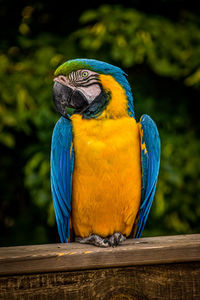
104	165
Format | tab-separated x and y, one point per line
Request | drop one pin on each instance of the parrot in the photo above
104	164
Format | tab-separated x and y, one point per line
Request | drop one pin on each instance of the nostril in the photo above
61	79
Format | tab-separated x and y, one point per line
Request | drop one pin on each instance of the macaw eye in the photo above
85	74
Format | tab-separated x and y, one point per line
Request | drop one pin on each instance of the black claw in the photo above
107	241
116	239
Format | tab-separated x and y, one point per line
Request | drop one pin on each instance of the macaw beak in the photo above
67	100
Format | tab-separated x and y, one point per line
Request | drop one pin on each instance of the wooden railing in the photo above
165	267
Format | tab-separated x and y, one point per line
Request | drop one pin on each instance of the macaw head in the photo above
92	88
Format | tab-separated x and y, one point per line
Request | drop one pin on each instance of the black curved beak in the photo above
68	101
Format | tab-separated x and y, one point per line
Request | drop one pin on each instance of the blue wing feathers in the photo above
150	168
62	162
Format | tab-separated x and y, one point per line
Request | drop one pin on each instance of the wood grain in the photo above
170	281
74	256
140	269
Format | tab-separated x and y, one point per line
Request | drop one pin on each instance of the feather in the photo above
150	168
62	162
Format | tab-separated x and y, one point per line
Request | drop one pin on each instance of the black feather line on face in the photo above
89	84
87	79
77	80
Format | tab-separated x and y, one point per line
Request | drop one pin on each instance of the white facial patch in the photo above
90	92
85	81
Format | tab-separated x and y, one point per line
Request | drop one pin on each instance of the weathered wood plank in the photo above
69	257
170	281
148	268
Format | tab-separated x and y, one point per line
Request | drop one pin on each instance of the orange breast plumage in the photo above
106	187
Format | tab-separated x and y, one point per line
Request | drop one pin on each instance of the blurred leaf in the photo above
161	57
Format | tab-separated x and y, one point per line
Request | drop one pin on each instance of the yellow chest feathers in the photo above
106	187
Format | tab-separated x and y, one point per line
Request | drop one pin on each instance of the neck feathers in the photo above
118	103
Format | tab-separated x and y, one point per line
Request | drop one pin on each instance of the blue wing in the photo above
150	148
62	162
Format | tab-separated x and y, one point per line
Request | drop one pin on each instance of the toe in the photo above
116	239
105	243
121	238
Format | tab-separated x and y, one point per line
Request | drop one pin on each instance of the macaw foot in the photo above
94	239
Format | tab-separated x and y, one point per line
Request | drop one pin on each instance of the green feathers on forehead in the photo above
71	65
89	64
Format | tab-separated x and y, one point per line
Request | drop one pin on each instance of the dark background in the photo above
157	44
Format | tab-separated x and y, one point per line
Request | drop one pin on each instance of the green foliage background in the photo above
158	47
